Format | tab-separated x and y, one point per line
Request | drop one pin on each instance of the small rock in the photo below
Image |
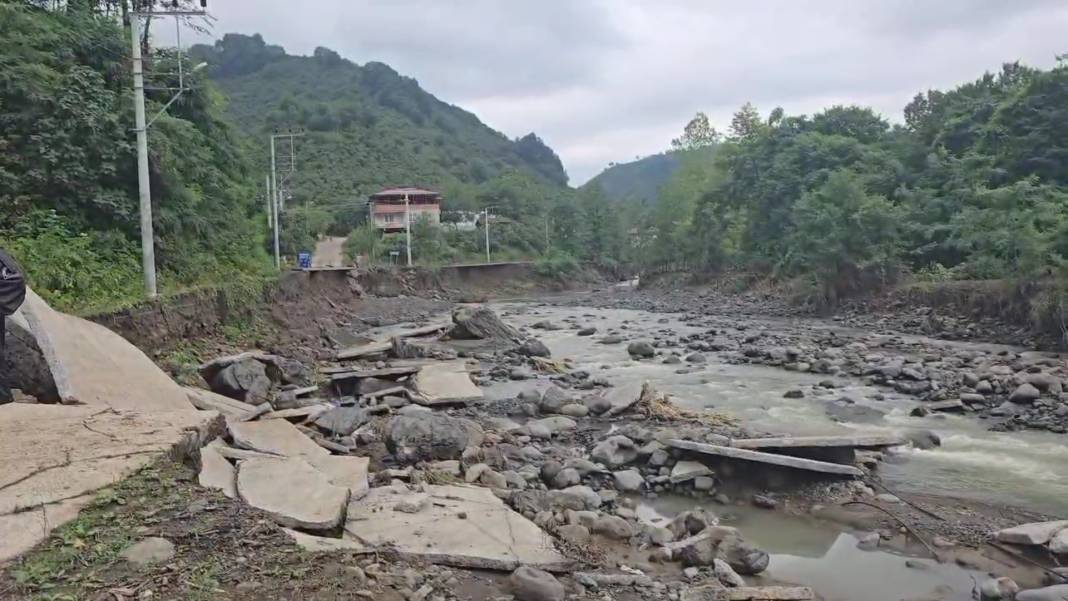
530	584
148	551
998	589
641	349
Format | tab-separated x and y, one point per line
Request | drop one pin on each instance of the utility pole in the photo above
267	198
278	198
144	192
274	208
144	189
408	228
485	223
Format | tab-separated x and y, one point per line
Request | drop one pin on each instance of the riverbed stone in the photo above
530	584
688	470
1024	394
641	349
615	451
613	526
998	589
1036	533
575	410
629	480
574	533
429	436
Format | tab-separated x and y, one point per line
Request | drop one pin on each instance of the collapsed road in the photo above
601	453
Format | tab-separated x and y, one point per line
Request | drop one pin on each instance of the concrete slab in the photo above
210	401
20	532
384	344
216	472
54	453
459	526
292	492
274	436
443	383
95	366
307	413
819	442
322	544
347	471
811	465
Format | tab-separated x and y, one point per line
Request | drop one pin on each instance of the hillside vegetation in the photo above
973	185
68	182
366	128
641	180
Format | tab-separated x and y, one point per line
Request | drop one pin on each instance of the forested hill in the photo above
639	180
366	125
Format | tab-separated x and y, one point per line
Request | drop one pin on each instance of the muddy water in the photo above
1022	469
821	555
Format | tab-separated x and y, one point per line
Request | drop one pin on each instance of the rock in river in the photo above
615	451
641	349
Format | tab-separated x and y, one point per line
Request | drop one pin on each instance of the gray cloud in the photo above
608	80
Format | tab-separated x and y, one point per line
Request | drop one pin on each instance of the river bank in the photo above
548	438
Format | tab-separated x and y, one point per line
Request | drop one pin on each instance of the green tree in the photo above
698	133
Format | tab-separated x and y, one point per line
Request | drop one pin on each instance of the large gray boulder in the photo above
23	365
1025	394
724	543
429	436
342	421
532	347
245	380
481	323
641	349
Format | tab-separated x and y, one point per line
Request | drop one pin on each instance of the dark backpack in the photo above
12	284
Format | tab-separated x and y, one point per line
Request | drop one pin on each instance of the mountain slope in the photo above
638	180
367	127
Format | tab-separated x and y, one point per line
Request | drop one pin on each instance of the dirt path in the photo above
329	252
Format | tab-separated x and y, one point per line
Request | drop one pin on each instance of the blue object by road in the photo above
305	260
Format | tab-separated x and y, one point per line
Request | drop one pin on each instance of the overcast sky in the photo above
610	80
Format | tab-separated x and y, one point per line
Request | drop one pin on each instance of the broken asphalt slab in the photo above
92	365
77	450
293	492
443	383
459	526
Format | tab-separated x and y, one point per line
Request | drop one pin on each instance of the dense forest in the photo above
973	185
68	182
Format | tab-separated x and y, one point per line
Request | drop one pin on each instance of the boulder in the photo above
553	400
641	349
615	451
590	331
532	347
574	534
342	421
613	526
430	436
481	323
530	584
629	480
1059	543
1024	394
245	380
1037	533
998	589
688	470
726	574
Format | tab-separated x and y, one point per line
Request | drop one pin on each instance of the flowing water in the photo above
1021	469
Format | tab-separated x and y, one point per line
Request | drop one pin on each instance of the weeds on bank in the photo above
68	563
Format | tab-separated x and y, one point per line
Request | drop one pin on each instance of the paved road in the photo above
329	252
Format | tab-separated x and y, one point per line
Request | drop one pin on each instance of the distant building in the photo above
388	207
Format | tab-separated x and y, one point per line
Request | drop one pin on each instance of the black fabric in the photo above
12	284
